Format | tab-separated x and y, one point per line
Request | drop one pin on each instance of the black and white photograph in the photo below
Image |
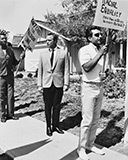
63	80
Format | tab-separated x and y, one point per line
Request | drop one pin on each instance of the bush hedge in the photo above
114	86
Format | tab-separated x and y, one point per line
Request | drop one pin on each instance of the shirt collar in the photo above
50	50
91	44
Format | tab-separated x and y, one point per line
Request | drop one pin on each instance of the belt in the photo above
94	83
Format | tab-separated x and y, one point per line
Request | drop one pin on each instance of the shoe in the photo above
49	131
96	150
3	119
82	155
57	129
13	117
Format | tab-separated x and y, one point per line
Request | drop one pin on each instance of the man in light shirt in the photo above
91	61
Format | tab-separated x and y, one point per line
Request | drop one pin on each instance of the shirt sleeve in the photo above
84	56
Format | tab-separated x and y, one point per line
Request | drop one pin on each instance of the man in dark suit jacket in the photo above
7	63
53	79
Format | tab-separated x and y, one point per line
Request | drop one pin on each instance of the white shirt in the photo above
50	51
4	51
87	53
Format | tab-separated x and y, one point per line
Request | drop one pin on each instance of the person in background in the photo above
91	61
7	63
53	80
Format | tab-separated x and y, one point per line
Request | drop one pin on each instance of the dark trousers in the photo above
52	99
7	95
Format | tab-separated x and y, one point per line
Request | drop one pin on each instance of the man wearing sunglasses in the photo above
91	61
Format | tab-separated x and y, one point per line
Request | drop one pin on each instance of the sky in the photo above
15	15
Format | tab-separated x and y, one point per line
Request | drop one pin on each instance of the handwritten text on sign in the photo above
31	36
111	14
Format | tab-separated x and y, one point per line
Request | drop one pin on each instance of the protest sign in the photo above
29	39
32	34
111	14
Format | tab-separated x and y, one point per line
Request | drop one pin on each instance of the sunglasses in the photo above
97	34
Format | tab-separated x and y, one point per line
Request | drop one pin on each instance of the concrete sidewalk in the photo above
25	139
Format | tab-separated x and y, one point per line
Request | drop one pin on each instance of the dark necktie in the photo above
52	57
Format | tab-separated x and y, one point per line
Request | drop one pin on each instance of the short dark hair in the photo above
3	32
55	36
89	31
9	44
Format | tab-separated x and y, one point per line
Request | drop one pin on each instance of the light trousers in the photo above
91	97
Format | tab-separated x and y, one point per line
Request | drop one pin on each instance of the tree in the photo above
78	15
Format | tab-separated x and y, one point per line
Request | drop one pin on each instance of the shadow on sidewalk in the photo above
23	150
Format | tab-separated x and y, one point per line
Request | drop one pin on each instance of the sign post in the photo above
20	62
105	56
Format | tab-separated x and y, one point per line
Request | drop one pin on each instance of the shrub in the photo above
114	86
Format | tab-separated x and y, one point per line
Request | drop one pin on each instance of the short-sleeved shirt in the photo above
87	53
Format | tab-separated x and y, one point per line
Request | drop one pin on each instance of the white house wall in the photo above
17	52
75	64
32	59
